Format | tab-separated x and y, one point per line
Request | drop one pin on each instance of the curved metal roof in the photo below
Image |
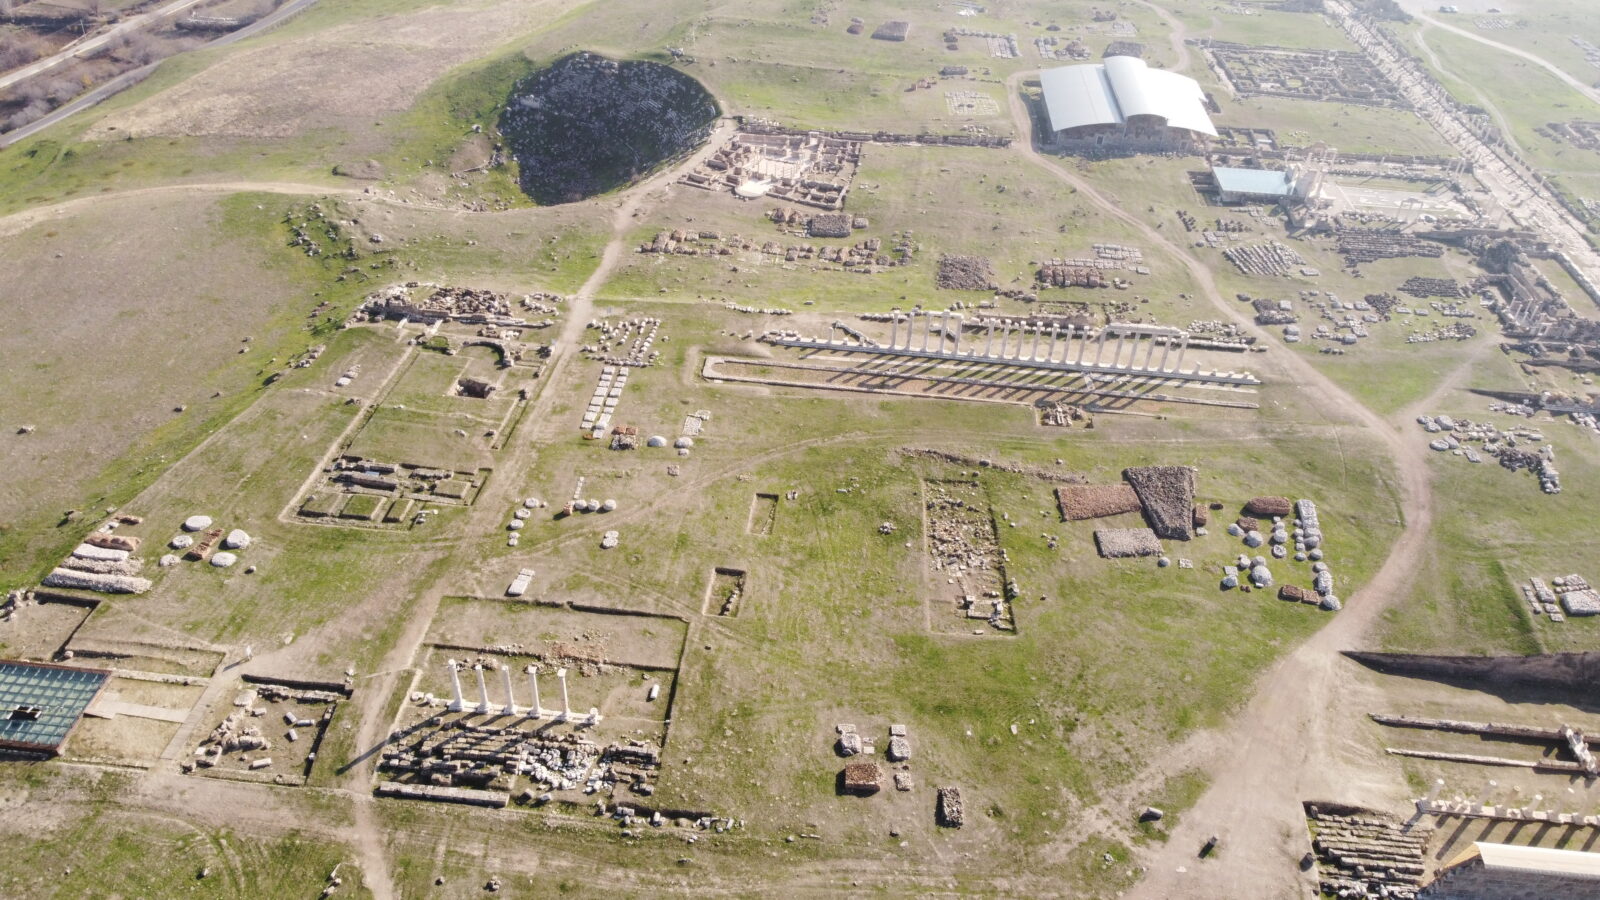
1108	93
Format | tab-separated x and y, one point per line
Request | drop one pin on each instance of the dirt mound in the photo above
588	124
369	170
1093	501
1269	506
966	273
1552	670
1167	494
1118	543
1298	594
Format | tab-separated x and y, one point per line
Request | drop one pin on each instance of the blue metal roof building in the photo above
1236	185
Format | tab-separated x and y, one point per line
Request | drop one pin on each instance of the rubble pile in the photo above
964	548
1384	305
893	30
1296	594
949	813
1273	312
1061	414
442	303
1507	446
1269	506
965	273
861	778
461	754
829	225
238	733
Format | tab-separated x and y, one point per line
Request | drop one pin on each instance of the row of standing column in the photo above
908	341
458	701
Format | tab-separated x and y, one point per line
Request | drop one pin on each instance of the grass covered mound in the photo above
589	124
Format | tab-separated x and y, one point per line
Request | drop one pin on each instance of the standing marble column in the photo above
536	711
459	702
511	700
483	691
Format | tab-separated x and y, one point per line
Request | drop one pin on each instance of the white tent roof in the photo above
1108	93
1543	860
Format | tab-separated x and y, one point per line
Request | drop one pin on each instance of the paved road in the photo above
134	76
93	43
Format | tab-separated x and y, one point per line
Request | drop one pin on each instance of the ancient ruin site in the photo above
529	448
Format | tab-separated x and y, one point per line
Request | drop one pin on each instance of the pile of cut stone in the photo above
1271	258
865	778
949	812
102	562
1571	594
1363	854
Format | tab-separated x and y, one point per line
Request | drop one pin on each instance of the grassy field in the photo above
104	405
1001	208
1268	27
1050	732
1521	94
1350	128
77	841
1544	29
1467	600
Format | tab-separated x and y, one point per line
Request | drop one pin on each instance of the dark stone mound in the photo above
1167	495
588	124
1550	670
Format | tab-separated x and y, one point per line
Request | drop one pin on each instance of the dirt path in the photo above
367	833
1506	132
580	307
27	218
1273	753
1556	71
1179	33
21	221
